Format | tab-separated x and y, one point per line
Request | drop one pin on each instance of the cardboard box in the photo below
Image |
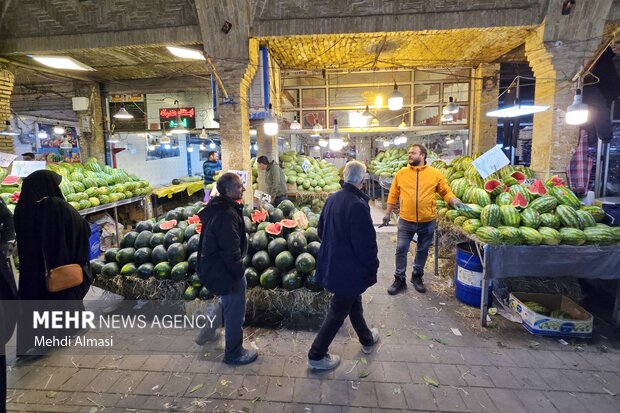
579	325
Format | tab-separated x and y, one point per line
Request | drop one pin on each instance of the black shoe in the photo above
418	284
247	356
207	334
397	286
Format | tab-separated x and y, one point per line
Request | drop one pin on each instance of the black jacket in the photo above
223	244
347	262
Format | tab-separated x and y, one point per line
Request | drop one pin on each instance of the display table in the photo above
168	191
506	261
114	206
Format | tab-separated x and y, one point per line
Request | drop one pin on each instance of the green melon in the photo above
312	283
159	254
530	236
180	271
128	269
549	220
191	293
297	243
174	236
145	270
572	236
261	261
96	266
192	244
176	253
110	255
162	270
276	246
311	234
129	239
189	232
314	247
260	241
110	270
205	294
157	239
143	239
550	236
142	256
305	263
192	261
292	280
284	261
251	277
144	226
270	278
125	255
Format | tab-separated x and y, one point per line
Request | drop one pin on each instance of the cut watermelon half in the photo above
168	224
519	201
519	176
274	229
537	188
10	180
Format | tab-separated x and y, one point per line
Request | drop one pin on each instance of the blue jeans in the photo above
406	231
340	308
233	305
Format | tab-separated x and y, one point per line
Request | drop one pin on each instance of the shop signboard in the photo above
168	116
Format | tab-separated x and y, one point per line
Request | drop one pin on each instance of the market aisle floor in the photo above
420	364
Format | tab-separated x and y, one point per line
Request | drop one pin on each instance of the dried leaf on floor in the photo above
422	336
441	341
533	344
196	387
430	381
93	410
51	394
398	390
363	374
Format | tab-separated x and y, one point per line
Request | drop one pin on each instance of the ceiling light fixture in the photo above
42	134
166	146
447	117
186	53
122	113
335	141
378	102
517	109
366	113
190	148
203	134
577	113
8	130
395	101
165	139
253	132
255	147
112	138
323	143
203	147
317	128
270	125
58	129
179	128
386	143
212	145
295	125
451	107
62	62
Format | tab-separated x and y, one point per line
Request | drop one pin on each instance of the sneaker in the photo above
247	356
375	338
329	362
418	284
397	286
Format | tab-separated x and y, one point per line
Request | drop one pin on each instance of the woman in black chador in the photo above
50	233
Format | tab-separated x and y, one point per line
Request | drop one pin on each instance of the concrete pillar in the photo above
483	135
6	88
267	145
91	123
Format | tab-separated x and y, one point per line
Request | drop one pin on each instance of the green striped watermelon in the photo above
452	214
545	203
511	235
616	232
549	220
597	212
510	216
565	196
489	235
587	220
503	199
530	236
474	211
572	236
520	189
481	197
459	220
491	215
471	225
530	218
568	216
598	235
550	236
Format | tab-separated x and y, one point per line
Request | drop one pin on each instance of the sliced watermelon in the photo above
537	188
519	201
193	220
10	180
519	176
168	224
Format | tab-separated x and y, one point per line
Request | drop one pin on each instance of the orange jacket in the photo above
416	186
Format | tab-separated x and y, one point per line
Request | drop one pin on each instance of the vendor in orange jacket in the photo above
416	186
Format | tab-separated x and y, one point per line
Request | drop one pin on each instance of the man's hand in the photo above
459	205
387	218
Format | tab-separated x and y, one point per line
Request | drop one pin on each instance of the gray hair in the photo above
354	172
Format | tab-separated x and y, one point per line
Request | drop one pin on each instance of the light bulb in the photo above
167	146
317	128
577	113
255	147
212	145
386	144
58	130
323	143
378	101
395	101
447	117
42	134
451	107
295	125
270	125
190	149
203	147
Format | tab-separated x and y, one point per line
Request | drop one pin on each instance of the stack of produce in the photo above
283	245
186	179
166	250
93	184
321	176
387	163
10	189
504	209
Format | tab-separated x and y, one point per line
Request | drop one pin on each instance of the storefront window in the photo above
426	93
313	98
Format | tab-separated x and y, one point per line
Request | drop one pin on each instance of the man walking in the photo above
416	186
347	265
222	246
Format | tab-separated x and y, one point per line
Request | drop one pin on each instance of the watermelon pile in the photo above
166	250
321	176
92	184
504	209
387	163
283	245
186	179
10	189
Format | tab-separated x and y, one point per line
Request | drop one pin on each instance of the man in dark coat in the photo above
347	265
223	245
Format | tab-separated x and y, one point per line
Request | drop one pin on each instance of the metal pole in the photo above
116	226
598	185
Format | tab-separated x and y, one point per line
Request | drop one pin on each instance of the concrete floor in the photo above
420	364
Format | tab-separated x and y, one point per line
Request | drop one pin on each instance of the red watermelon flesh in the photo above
519	176
288	223
259	216
556	181
519	201
10	181
273	229
168	224
491	185
193	219
538	188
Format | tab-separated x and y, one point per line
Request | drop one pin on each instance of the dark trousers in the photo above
3	381
233	305
339	308
406	231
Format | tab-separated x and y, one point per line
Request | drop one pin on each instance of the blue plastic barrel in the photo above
468	274
94	241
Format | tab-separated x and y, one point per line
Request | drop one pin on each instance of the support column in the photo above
483	132
556	51
267	145
7	80
91	123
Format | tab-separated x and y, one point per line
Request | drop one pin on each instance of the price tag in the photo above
529	182
491	161
262	196
242	174
6	159
305	166
24	168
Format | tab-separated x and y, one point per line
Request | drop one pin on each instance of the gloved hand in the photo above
386	219
459	205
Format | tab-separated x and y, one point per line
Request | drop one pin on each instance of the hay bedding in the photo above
134	288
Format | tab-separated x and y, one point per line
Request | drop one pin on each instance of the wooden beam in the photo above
157	85
65	43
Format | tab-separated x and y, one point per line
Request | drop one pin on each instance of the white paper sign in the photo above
6	159
262	196
305	166
24	168
242	174
491	161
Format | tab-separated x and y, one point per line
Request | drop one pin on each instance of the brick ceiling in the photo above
462	47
